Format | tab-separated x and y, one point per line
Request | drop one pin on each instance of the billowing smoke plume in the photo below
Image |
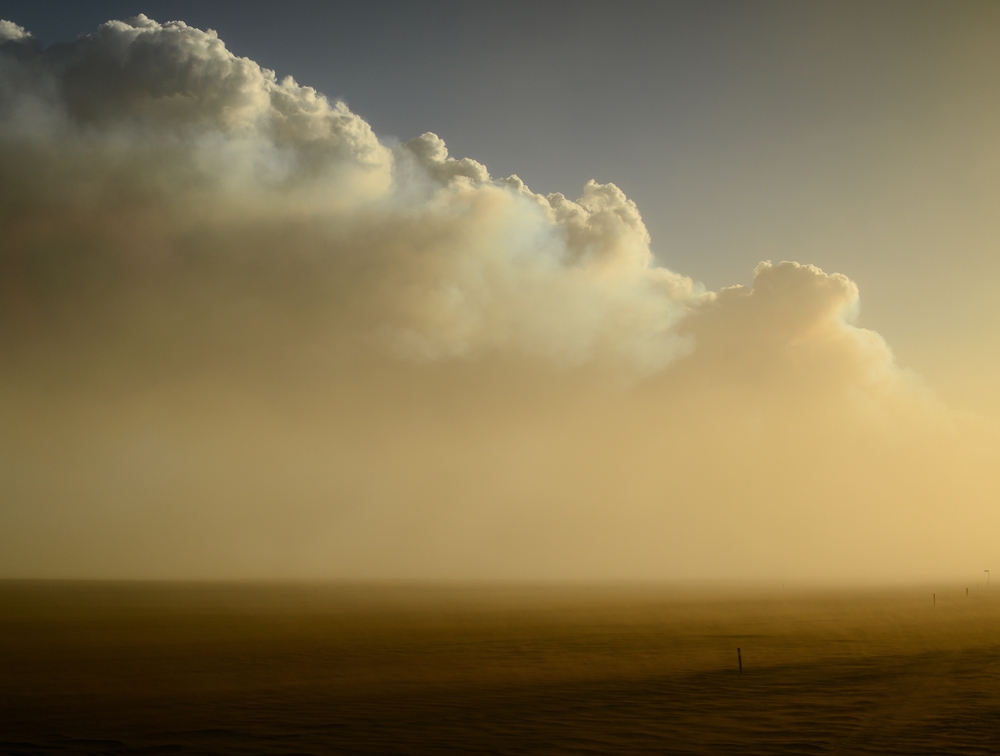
242	335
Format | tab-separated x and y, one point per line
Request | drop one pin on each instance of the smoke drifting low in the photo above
241	336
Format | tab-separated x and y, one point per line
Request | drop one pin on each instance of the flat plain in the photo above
337	668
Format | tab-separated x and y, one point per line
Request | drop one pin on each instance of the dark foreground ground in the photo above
106	668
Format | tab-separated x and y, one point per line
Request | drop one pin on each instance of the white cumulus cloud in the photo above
316	337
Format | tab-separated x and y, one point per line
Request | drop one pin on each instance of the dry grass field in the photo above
123	668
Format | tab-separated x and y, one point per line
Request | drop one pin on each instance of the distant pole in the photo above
967	593
739	658
935	598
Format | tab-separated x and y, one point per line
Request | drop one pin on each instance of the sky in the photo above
668	291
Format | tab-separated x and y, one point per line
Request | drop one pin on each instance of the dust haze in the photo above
242	336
